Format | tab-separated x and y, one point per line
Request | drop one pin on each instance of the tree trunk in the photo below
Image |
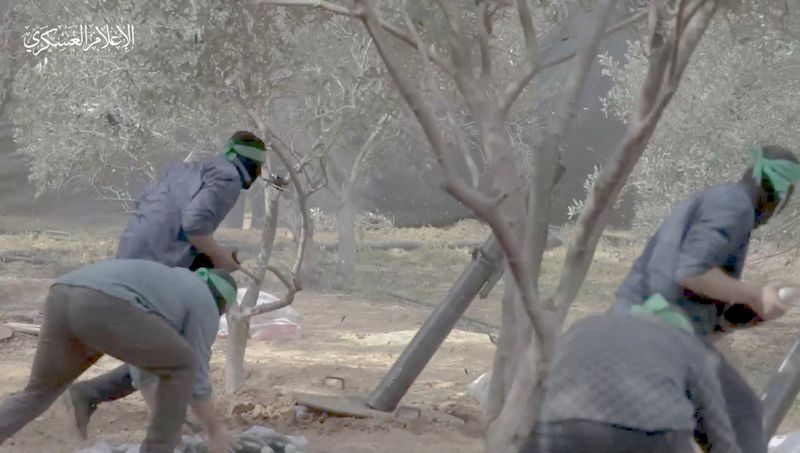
519	374
258	205
310	273
239	329
238	334
347	241
517	331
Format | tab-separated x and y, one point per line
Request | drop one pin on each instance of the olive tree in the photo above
518	212
703	138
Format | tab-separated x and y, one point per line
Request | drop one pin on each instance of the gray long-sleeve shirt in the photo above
640	374
710	229
189	199
173	293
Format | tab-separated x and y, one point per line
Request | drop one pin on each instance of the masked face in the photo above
249	169
772	204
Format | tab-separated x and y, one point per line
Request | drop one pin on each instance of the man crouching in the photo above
160	319
633	383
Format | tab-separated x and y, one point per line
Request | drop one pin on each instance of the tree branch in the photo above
344	11
283	153
680	22
515	88
615	172
475	91
434	90
484	207
528	32
547	157
316	186
363	153
457	36
292	287
484	32
424	114
694	31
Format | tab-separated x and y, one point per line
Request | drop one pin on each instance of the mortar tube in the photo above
436	328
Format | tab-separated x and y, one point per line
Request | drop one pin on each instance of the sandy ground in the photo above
356	337
342	337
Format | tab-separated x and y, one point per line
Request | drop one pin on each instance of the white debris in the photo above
479	388
282	324
787	443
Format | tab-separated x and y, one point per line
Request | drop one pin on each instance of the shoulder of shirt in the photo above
199	288
728	196
221	169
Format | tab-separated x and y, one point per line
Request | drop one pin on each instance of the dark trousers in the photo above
118	383
578	436
744	409
80	326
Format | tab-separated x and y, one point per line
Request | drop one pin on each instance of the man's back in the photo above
172	293
710	229
622	370
188	199
638	374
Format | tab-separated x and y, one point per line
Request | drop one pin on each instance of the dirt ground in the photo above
342	337
353	335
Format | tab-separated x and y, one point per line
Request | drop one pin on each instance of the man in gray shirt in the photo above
174	223
695	261
631	384
160	319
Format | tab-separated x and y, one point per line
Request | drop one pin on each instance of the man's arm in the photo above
206	414
221	257
721	228
201	217
717	285
200	331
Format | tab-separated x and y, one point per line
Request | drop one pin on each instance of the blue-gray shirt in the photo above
710	229
640	374
174	293
189	199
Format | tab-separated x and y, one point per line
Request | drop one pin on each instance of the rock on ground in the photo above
258	439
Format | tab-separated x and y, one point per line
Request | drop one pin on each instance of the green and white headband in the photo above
251	152
225	289
781	173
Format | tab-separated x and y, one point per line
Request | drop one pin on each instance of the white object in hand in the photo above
789	295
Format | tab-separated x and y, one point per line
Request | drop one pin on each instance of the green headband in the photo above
658	307
250	152
225	289
781	173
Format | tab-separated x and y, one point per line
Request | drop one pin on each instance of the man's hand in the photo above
221	257
224	260
771	306
219	442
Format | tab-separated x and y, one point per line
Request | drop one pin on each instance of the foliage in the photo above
199	70
740	90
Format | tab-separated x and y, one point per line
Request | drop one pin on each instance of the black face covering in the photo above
248	170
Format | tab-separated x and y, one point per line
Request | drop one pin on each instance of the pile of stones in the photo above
258	439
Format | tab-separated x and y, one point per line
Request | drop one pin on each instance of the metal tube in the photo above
435	329
781	390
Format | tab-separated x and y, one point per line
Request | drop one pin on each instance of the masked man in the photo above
695	261
173	224
160	319
632	383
